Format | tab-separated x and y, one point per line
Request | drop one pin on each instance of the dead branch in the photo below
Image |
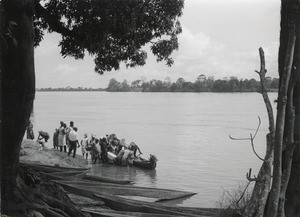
264	92
251	139
248	176
256	205
252	144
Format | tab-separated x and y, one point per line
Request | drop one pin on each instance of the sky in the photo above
220	38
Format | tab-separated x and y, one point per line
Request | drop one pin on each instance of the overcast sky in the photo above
220	38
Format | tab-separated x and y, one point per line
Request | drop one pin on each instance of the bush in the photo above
233	203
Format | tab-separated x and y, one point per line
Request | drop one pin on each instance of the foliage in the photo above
113	31
233	203
200	85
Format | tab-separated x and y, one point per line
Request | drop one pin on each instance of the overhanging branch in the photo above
53	22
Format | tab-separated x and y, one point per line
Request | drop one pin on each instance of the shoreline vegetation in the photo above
202	84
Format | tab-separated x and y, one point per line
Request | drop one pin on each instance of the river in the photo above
187	132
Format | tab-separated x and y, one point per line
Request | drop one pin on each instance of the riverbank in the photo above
30	153
89	197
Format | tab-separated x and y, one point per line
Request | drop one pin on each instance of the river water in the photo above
187	132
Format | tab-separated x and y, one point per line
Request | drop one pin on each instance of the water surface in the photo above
188	133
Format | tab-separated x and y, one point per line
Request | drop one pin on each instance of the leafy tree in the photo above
112	31
125	86
114	85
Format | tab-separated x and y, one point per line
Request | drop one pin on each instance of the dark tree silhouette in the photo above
113	31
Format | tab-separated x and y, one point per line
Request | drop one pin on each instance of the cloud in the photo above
64	69
219	38
48	46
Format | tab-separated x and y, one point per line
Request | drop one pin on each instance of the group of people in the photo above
104	149
66	137
109	149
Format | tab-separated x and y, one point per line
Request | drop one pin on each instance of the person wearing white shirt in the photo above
73	139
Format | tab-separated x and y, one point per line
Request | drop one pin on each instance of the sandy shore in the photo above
30	153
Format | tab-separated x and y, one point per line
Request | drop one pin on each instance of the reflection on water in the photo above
140	177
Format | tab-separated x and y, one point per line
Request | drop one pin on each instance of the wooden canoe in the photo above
157	194
121	204
70	173
149	164
107	180
64	176
100	212
84	201
50	169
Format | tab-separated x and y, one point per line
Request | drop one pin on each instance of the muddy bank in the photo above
30	153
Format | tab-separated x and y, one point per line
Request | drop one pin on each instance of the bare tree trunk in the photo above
17	88
293	191
290	10
256	205
280	124
289	144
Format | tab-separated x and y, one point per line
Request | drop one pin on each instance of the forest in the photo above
202	84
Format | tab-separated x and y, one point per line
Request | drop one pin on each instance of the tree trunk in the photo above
290	9
293	192
280	125
17	88
256	205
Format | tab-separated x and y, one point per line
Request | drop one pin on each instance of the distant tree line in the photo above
202	84
69	89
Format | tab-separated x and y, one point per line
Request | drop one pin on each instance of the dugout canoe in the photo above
100	212
106	179
71	175
50	169
129	205
144	163
124	204
146	194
